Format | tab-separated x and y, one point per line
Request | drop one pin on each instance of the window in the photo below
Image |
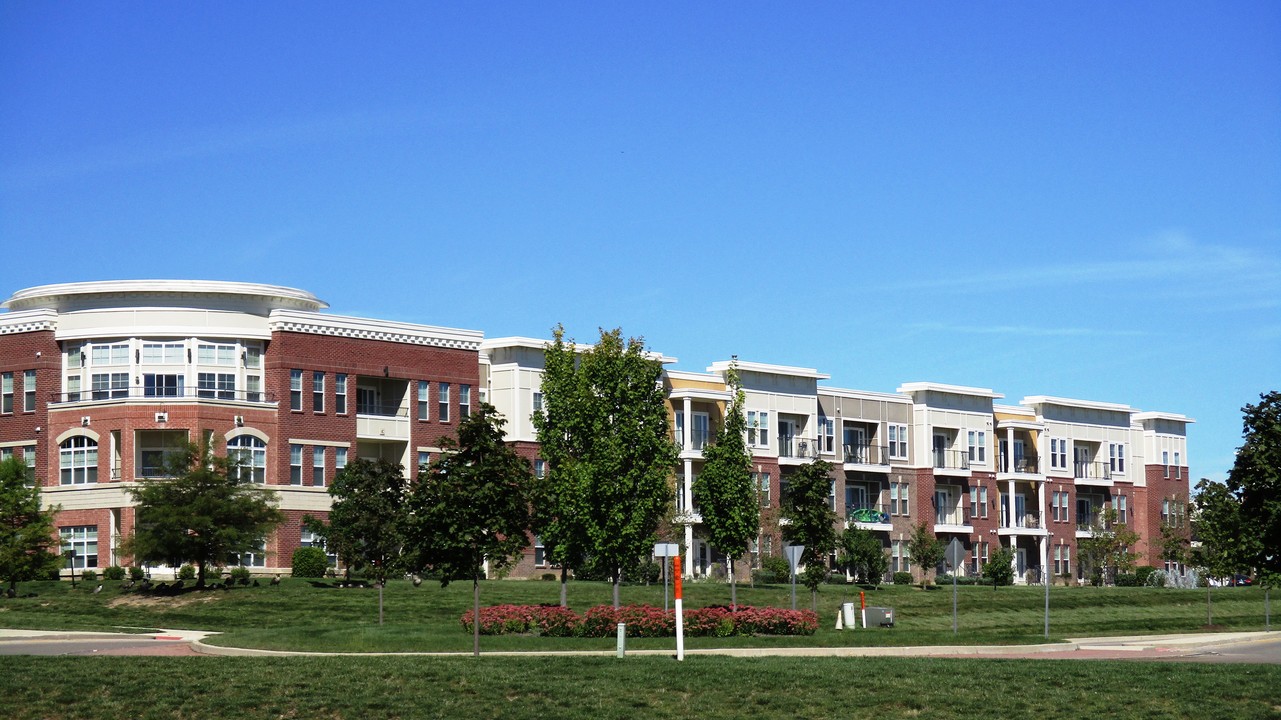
982	508
424	460
1058	453
209	354
158	450
295	390
538	402
700	433
163	353
110	385
219	385
898	441
82	541
680	429
318	392
1054	506
250	457
308	538
318	466
78	461
295	464
73	388
340	393
1116	457
757	428
900	560
899	499
978	446
424	405
253	357
540	553
6	392
464	402
340	459
1062	560
1178	466
253	388
1165	463
1119	504
29	391
826	434
978	556
109	354
162	385
761	480
540	468
442	403
254	558
75	356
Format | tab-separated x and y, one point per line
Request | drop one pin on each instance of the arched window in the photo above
249	455
78	460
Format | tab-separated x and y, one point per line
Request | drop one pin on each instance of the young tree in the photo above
811	521
1225	543
999	567
605	437
724	490
470	506
26	531
926	549
1255	478
367	519
199	513
863	555
1110	547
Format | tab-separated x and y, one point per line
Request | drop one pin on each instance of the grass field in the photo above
708	688
316	616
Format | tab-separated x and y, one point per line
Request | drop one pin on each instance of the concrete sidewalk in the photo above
191	636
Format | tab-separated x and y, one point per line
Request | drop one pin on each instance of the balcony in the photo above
1022	465
865	454
953	519
1086	523
162	394
381	421
1092	473
798	448
869	516
955	460
1026	524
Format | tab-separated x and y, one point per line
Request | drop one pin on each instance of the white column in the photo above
1044	544
687	431
687	486
1009	450
688	569
1009	515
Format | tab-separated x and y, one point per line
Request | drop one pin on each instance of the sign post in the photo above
680	613
665	551
793	555
955	557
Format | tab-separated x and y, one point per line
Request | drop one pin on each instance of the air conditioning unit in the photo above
162	417
84	421
240	421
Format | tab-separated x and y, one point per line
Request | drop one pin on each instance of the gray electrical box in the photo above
878	617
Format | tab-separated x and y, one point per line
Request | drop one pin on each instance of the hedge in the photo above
641	621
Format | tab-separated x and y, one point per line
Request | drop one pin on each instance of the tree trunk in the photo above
814	600
200	574
475	615
733	586
381	583
618	577
564	582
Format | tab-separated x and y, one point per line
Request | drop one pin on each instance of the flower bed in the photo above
641	621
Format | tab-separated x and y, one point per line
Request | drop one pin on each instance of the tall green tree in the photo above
811	521
724	490
926	550
367	519
1225	544
1255	478
199	512
28	550
862	554
471	505
605	437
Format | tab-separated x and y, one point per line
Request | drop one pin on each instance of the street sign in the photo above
793	555
955	554
666	549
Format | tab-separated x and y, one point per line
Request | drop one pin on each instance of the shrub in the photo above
640	621
240	574
777	566
902	578
1143	572
549	577
88	575
1127	580
115	572
310	562
136	573
186	572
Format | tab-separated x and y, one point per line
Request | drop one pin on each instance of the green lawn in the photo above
708	688
312	615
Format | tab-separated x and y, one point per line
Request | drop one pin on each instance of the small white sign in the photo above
666	549
793	555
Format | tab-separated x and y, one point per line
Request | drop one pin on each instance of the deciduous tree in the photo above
1110	548
811	521
863	555
27	545
727	498
926	549
1255	478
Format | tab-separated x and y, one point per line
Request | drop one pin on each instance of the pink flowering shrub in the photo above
641	621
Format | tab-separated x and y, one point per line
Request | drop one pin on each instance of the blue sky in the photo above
1080	200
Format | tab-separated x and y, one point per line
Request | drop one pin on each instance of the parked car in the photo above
1242	580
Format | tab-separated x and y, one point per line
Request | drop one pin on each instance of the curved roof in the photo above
105	293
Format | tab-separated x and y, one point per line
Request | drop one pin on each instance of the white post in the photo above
680	611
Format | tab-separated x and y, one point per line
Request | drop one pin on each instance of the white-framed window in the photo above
155	353
73	388
295	464
83	541
1165	463
700	433
219	385
6	393
540	468
318	466
898	441
163	384
978	556
900	558
340	459
75	354
1054	506
1058	453
78	461
29	391
257	557
757	428
1178	467
253	357
109	385
253	388
978	446
212	354
424	460
464	402
340	393
317	392
295	390
158	450
538	402
761	480
826	434
541	559
109	354
1116	458
1122	510
250	457
899	499
424	403
442	403
308	538
981	510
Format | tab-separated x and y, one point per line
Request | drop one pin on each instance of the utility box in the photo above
878	617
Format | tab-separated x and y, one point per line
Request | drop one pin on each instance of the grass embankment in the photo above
318	616
709	688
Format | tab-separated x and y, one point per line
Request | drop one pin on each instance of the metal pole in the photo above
1045	578
953	601
793	588
665	559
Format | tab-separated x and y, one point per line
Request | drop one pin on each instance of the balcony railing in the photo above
1087	522
1028	521
792	446
162	394
959	515
698	439
951	459
1091	471
868	513
381	409
866	454
1027	464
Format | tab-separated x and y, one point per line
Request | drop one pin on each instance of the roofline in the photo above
870	394
1069	402
765	368
541	345
913	387
31	297
1163	416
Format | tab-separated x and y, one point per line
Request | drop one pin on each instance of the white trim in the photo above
252	432
694	376
325	443
915	387
721	366
78	432
864	394
28	321
1069	402
369	329
529	343
55	295
1162	416
19	443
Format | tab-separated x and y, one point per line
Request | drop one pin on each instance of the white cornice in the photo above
916	387
25	321
1172	417
864	394
540	345
367	329
721	366
1069	402
57	296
